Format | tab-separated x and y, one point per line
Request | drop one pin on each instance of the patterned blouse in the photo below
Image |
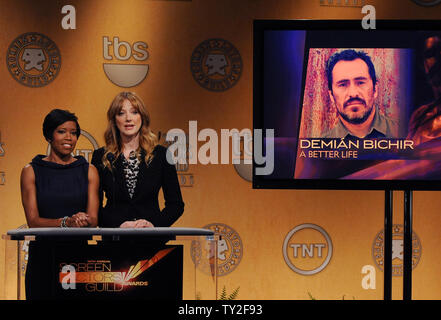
131	169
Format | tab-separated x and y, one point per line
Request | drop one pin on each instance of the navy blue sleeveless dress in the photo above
61	191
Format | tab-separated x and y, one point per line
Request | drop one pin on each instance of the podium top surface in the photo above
18	234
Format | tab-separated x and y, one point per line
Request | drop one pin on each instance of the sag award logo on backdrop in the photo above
229	250
216	65
124	74
397	249
84	147
33	59
427	3
307	249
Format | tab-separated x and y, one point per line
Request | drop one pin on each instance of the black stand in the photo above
407	263
388	244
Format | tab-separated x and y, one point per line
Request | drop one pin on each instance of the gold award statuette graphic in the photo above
397	250
229	251
33	59
216	65
307	249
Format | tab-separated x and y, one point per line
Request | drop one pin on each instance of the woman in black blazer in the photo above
133	168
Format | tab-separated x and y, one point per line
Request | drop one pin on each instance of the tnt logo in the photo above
125	75
307	249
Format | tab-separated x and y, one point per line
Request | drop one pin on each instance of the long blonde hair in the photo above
112	138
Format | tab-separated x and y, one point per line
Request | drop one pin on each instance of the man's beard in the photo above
356	119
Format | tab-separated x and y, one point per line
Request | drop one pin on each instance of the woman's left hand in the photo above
142	223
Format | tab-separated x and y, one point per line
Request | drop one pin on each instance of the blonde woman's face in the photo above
128	120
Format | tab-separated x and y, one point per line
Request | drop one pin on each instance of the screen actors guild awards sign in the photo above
216	65
33	59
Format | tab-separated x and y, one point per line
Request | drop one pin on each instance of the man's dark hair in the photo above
349	55
55	118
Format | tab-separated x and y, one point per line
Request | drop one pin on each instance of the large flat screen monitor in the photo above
349	108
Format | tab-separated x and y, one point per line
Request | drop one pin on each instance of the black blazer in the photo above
144	204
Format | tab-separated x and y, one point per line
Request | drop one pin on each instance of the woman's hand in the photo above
141	223
78	220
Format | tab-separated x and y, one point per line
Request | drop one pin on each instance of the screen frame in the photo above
259	28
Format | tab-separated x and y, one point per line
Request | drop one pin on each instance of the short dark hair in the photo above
349	55
55	118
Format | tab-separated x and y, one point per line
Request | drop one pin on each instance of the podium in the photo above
110	263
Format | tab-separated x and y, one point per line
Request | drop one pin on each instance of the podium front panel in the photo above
115	264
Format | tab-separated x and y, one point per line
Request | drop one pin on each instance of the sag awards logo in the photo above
85	146
307	249
123	74
33	59
397	249
216	65
427	3
229	250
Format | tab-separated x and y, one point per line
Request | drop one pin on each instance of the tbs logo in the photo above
122	74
